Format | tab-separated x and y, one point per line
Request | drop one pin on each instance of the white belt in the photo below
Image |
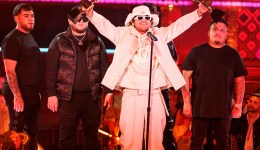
153	91
133	91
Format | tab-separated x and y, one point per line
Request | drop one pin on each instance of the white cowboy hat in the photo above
141	11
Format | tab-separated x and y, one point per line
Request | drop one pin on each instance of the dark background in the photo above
51	19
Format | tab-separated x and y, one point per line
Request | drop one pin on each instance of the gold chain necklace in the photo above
79	40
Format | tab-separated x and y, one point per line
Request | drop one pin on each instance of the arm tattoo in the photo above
13	83
239	89
186	88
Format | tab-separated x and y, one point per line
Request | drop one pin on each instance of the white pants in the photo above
133	121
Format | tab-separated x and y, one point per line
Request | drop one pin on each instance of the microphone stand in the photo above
149	95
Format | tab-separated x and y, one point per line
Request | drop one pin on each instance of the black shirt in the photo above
214	71
81	82
21	47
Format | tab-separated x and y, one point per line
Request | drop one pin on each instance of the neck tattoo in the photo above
79	40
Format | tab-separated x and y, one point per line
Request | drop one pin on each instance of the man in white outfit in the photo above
129	71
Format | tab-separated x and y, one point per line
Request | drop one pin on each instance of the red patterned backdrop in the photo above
249	35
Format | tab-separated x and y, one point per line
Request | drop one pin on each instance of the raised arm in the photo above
103	25
183	23
89	11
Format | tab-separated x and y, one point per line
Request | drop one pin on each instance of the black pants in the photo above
26	121
220	130
168	139
81	107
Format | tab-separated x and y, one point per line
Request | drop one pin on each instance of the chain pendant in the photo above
79	40
80	43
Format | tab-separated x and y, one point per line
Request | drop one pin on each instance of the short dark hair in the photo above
23	6
221	20
256	93
217	16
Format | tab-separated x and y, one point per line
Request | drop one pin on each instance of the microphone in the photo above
150	35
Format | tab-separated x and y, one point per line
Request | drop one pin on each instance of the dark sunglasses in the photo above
142	17
84	18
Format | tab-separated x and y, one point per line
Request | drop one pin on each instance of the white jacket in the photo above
126	45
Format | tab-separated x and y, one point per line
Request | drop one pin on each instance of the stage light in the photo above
107	134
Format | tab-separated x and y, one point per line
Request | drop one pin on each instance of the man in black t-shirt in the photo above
21	56
76	64
216	70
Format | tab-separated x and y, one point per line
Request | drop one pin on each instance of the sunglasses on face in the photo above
143	17
83	18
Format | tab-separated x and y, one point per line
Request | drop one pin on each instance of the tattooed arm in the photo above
187	108
239	95
10	66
